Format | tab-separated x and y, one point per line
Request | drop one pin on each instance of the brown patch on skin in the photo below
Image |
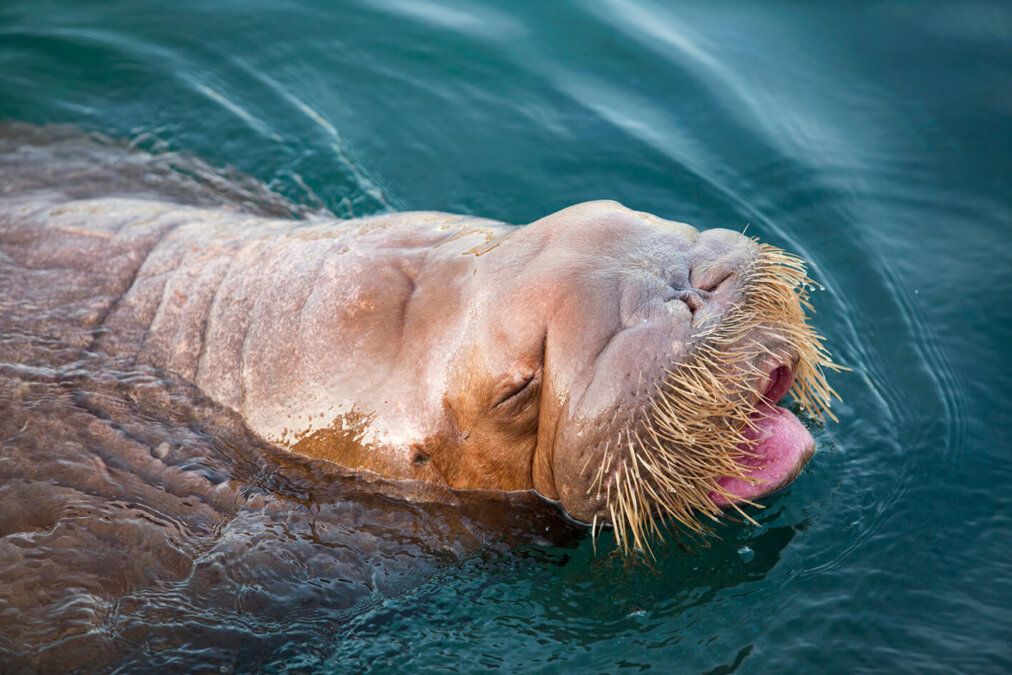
343	443
454	459
482	249
492	421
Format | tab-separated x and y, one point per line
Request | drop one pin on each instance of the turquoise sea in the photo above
874	139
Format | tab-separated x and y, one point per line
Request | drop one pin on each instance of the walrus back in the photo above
66	260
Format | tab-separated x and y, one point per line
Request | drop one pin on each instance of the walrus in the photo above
621	365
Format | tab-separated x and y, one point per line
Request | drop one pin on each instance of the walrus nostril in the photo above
692	301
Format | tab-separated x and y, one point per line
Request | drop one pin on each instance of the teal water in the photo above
873	139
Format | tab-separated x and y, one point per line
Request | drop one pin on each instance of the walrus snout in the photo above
669	403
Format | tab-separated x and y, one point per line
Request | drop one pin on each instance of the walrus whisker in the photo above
583	470
601	470
695	430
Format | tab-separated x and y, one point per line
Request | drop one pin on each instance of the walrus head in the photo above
622	365
633	364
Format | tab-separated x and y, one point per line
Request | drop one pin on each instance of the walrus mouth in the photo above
713	438
779	447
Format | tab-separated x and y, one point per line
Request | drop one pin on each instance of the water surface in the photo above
874	139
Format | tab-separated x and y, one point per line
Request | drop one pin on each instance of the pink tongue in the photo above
783	447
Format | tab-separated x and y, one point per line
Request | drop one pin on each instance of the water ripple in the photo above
872	140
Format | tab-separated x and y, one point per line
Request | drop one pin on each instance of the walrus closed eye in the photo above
624	366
